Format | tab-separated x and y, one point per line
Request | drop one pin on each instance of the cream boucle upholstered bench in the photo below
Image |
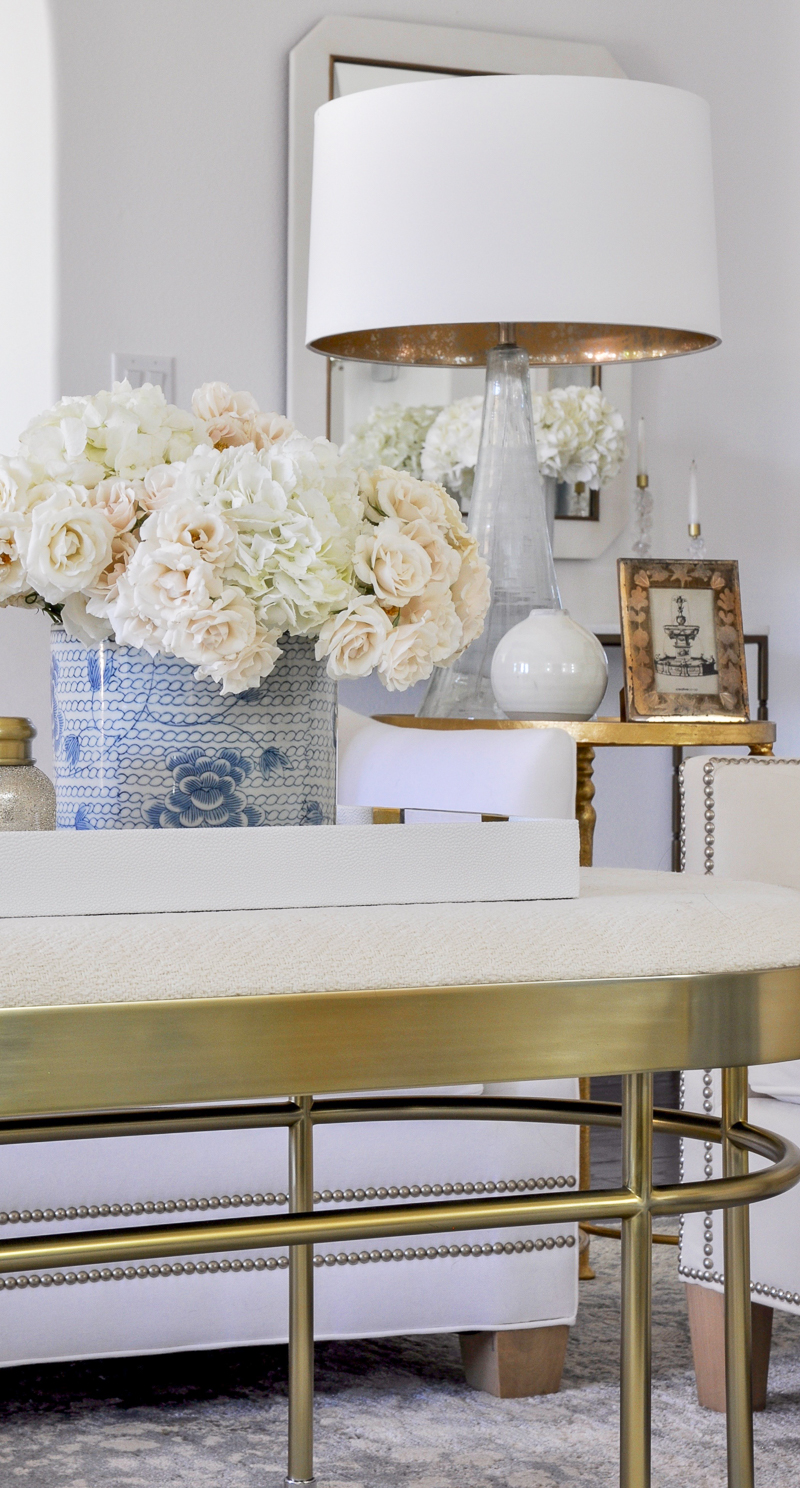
176	1026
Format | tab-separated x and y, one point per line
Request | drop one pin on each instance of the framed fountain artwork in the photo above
682	640
388	410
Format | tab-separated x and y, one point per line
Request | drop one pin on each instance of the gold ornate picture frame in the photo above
682	640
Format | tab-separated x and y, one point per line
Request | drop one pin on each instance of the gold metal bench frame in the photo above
198	1065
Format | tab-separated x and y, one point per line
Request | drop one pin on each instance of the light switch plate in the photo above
140	369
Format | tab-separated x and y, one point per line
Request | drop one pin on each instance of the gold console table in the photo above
605	733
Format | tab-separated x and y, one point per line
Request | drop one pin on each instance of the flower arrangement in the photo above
579	436
209	535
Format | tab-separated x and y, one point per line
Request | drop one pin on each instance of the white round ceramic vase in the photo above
549	667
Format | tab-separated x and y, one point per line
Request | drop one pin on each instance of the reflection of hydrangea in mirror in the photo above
393	435
579	436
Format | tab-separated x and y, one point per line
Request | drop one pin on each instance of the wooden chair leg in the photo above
516	1361
707	1327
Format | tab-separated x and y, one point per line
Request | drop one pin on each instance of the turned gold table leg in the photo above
301	1306
761	749
584	795
738	1317
636	1291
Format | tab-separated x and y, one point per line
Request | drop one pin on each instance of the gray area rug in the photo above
389	1413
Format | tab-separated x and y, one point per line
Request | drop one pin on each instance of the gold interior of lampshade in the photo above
546	342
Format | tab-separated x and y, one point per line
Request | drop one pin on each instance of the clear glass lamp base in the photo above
508	519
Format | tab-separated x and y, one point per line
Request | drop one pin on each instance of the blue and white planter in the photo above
139	743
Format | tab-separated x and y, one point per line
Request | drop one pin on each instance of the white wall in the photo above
172	140
28	377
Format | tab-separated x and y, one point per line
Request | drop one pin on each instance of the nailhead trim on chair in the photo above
235	1201
344	1258
759	1288
708	800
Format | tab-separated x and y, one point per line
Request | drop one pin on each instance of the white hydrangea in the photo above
450	451
580	436
393	435
124	432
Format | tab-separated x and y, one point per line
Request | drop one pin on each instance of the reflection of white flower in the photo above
394	565
579	435
354	639
393	435
68	544
451	443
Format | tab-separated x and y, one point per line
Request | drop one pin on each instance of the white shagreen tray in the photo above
110	872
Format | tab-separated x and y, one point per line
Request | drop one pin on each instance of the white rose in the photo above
106	587
13	578
471	594
232	419
247	667
184	523
68	544
213	634
119	500
79	622
392	493
17	480
394	565
159	484
354	639
171	586
214	399
439	609
407	656
131	626
445	561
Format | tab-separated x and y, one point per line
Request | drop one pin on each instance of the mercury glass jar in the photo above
27	797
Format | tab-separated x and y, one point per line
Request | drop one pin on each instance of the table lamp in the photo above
504	221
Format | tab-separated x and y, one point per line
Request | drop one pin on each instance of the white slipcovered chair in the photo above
741	819
512	1299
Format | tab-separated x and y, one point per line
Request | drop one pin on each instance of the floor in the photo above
606	1143
390	1413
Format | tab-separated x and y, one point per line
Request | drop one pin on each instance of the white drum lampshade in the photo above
502	221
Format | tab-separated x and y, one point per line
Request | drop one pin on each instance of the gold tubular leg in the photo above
738	1325
301	1306
637	1169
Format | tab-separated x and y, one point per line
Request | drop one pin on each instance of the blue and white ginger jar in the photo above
140	743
